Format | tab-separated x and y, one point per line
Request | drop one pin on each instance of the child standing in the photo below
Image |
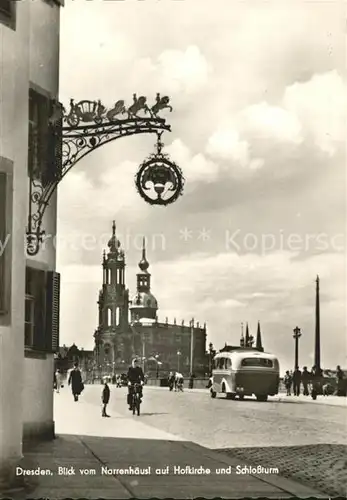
105	398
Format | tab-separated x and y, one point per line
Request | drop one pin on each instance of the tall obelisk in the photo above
317	332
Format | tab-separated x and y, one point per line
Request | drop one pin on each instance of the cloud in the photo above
183	70
311	111
114	193
271	122
196	168
226	143
171	72
321	106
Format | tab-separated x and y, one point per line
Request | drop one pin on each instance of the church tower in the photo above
113	305
144	304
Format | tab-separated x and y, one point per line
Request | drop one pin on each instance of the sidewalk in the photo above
321	400
118	443
281	397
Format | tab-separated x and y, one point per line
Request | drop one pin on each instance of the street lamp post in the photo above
156	357
178	360
210	355
296	336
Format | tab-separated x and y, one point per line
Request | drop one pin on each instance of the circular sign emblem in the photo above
159	181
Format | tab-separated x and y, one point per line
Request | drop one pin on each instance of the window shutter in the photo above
2	238
52	311
34	166
44	137
38	284
53	168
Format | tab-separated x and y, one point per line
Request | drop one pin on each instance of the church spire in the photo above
143	277
113	243
242	338
258	343
247	339
144	264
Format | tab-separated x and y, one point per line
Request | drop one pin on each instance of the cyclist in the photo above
135	376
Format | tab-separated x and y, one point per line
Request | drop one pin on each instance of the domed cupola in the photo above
144	304
144	264
113	243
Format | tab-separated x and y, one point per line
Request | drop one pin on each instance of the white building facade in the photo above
29	287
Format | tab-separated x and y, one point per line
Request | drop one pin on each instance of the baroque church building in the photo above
129	328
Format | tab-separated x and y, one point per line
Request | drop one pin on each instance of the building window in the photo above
8	13
45	138
42	290
38	131
5	7
109	317
29	321
34	308
117	316
6	199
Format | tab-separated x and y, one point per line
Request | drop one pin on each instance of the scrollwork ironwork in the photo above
85	127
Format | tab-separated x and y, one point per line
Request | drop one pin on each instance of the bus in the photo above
243	373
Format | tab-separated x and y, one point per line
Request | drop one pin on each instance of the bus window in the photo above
257	362
228	363
219	364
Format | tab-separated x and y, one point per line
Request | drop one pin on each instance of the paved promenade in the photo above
100	451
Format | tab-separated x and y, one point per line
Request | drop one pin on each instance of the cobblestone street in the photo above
221	423
323	466
307	442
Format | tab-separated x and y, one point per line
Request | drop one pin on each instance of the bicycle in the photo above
136	398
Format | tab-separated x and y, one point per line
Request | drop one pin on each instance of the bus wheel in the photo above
262	397
213	394
231	395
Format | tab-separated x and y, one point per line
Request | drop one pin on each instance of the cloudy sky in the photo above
258	127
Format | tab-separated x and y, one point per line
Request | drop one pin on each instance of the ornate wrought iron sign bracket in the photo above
87	126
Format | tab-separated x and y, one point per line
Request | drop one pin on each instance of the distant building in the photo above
246	342
67	356
129	328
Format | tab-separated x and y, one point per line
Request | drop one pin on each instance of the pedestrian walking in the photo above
75	380
191	381
105	397
287	380
179	382
305	379
58	380
171	380
316	381
209	383
296	381
340	382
